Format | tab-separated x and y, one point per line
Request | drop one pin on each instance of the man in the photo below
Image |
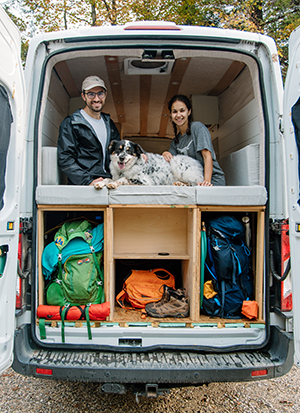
85	135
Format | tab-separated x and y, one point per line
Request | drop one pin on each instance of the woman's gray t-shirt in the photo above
192	145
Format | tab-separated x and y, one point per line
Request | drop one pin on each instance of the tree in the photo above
49	15
21	24
187	12
276	18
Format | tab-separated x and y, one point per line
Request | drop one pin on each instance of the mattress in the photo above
151	195
70	195
231	195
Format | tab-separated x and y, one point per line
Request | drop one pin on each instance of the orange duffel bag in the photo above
144	286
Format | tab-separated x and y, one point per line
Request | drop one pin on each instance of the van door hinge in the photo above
26	231
26	225
280	124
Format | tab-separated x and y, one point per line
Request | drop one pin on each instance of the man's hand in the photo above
95	181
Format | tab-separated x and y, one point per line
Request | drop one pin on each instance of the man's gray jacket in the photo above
79	152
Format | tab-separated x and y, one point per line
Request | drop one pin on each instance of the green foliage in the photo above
186	12
276	18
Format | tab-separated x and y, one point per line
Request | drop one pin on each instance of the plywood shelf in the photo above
121	315
140	256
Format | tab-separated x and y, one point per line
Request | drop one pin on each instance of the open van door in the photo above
12	110
292	142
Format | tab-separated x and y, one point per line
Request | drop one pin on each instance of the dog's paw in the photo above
113	185
100	184
178	183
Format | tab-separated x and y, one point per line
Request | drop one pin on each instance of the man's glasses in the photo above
92	95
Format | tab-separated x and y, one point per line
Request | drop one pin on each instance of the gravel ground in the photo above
25	394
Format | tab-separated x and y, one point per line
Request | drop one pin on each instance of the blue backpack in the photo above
227	265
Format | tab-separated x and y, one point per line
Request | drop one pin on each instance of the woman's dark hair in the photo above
188	104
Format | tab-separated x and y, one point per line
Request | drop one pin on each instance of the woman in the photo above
193	139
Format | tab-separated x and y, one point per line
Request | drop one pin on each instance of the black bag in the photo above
228	264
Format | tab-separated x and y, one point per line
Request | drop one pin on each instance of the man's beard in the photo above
96	110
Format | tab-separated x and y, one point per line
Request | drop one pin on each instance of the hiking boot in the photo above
173	303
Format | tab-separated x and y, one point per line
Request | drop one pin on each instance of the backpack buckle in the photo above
88	235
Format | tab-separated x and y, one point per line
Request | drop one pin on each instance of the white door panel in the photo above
291	96
12	96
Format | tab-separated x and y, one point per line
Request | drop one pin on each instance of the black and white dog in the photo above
128	167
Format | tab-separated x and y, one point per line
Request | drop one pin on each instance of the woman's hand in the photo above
208	168
167	156
205	183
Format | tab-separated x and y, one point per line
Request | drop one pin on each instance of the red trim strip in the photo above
152	28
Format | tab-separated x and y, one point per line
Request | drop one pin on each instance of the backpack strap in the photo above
164	270
84	315
88	323
96	262
121	298
236	267
223	292
101	282
63	315
42	328
59	260
211	260
202	262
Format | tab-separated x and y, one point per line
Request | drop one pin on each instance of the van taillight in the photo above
286	285
256	373
46	372
19	280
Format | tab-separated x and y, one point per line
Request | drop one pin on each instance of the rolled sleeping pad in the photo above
97	312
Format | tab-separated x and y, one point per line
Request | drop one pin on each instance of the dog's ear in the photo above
112	146
138	150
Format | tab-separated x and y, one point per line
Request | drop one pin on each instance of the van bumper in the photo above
167	369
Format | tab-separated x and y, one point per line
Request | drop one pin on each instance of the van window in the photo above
5	123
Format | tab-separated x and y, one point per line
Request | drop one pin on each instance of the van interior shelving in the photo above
140	223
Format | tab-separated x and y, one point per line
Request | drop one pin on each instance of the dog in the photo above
128	167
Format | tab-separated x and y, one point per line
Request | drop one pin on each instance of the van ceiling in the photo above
138	103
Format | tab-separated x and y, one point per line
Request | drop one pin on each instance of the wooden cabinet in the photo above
155	233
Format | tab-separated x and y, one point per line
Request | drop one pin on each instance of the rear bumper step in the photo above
167	368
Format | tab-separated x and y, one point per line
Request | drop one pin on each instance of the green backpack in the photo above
79	277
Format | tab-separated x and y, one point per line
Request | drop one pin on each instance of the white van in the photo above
234	81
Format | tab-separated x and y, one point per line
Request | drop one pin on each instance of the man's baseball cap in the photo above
92	81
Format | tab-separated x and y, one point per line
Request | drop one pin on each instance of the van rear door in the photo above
12	108
292	142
